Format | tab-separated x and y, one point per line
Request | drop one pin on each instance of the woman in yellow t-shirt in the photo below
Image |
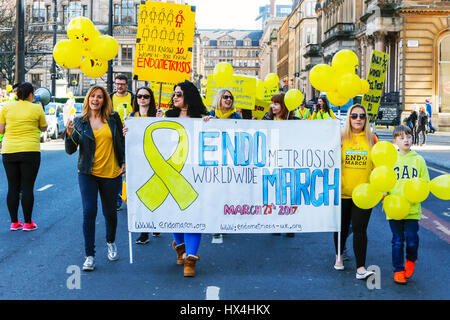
322	110
21	121
98	134
357	141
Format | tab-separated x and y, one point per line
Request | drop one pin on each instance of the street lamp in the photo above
20	42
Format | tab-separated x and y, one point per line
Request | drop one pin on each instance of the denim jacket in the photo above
83	136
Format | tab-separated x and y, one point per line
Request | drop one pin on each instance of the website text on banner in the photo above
164	40
377	74
188	175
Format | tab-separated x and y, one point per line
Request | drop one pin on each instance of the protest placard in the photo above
226	176
379	62
242	87
164	41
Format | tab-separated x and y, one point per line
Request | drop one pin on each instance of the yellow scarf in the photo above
226	115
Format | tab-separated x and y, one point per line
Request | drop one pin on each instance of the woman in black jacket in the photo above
98	135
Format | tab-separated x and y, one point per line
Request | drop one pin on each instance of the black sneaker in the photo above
156	234
290	235
143	238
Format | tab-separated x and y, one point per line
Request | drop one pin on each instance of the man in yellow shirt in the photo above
122	98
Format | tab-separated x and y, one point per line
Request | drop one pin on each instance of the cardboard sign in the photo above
379	62
245	176
164	41
242	87
166	94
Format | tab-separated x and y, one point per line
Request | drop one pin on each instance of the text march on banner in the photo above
220	176
242	87
164	41
379	62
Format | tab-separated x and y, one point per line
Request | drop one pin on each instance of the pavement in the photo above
436	151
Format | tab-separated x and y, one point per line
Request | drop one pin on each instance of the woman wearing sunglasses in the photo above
223	105
143	106
356	141
186	102
322	110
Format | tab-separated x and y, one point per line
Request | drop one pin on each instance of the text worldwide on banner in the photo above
187	175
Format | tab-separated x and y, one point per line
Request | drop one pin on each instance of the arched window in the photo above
444	74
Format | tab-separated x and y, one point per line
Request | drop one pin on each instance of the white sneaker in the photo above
89	264
112	251
365	275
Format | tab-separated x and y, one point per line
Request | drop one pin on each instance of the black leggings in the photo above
21	170
360	220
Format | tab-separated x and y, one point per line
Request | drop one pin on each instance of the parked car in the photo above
54	118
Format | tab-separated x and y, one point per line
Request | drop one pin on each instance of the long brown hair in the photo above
151	112
107	107
347	133
279	98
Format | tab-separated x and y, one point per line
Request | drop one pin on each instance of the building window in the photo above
49	13
247	43
127	54
36	79
127	11
116	14
64	15
137	13
444	75
74	9
38	14
85	11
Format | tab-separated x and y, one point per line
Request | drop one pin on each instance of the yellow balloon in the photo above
384	153
440	187
94	68
396	207
9	88
271	80
51	110
349	85
260	89
365	87
345	61
293	99
67	54
416	190
322	77
365	196
223	74
383	178
82	31
105	47
336	99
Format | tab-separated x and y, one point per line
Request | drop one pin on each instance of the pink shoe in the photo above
16	226
30	226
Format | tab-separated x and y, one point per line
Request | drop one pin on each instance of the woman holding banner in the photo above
98	134
322	110
223	105
21	121
144	105
186	102
356	137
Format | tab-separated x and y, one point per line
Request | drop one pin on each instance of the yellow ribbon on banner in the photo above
167	177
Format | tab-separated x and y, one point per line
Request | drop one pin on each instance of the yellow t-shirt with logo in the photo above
356	164
119	102
105	163
22	120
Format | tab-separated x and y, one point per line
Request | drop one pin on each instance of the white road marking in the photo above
45	187
217	240
442	228
212	293
437	170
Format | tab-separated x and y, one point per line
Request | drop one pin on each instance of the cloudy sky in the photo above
229	14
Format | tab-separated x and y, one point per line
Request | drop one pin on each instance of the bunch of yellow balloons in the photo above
383	179
339	81
86	48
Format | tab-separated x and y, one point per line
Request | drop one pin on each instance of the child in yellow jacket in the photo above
409	165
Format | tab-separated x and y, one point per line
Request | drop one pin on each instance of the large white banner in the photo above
233	176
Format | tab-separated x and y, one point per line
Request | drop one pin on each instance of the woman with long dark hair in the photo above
21	122
322	110
97	133
186	103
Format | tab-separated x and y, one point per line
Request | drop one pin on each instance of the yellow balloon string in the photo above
167	177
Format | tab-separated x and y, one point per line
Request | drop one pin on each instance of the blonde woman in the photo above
223	105
357	139
98	134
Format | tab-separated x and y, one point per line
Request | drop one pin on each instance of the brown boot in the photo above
189	265
181	252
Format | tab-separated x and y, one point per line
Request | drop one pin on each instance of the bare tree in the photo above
36	42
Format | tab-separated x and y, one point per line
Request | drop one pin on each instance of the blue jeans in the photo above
90	187
404	231
191	241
